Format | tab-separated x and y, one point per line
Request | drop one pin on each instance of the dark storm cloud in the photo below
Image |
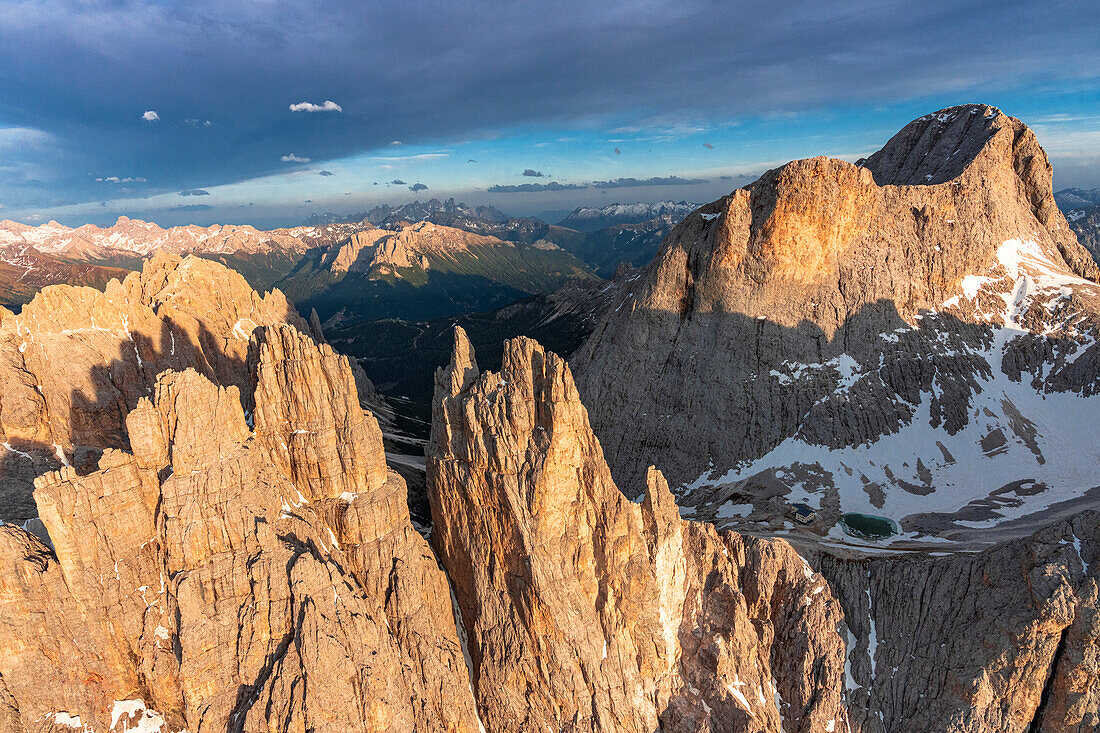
417	187
192	207
194	192
397	182
325	173
532	173
245	64
655	181
533	187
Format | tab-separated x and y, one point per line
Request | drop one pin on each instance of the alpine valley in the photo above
816	457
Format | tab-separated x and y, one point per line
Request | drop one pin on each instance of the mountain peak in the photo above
936	148
794	294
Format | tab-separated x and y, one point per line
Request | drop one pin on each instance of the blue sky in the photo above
206	112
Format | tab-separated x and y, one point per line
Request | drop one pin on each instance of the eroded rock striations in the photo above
588	612
215	577
911	336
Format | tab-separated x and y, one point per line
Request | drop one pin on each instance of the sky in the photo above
265	111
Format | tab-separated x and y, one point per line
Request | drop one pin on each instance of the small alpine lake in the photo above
868	526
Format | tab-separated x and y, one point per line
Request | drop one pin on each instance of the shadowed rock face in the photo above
793	338
586	611
1007	639
220	578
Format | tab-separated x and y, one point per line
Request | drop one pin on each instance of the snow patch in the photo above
738	695
731	511
149	721
69	721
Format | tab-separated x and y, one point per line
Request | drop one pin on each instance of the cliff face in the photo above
927	310
585	611
220	578
76	360
1007	639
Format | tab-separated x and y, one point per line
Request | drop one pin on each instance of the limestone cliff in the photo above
1007	639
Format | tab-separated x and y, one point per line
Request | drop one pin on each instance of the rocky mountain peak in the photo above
211	577
938	147
409	245
829	306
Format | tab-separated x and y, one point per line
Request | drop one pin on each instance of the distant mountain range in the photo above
414	212
424	271
603	237
1077	198
1082	210
351	271
592	219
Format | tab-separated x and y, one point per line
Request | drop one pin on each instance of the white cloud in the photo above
395	142
15	140
151	116
328	106
419	156
292	158
116	179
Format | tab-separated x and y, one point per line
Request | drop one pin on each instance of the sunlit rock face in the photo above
586	611
911	337
215	577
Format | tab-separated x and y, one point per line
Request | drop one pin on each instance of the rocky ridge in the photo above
76	360
1007	639
219	577
411	245
586	611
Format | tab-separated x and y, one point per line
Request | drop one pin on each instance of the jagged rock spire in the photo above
589	612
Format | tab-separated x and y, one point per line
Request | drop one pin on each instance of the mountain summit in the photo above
911	337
